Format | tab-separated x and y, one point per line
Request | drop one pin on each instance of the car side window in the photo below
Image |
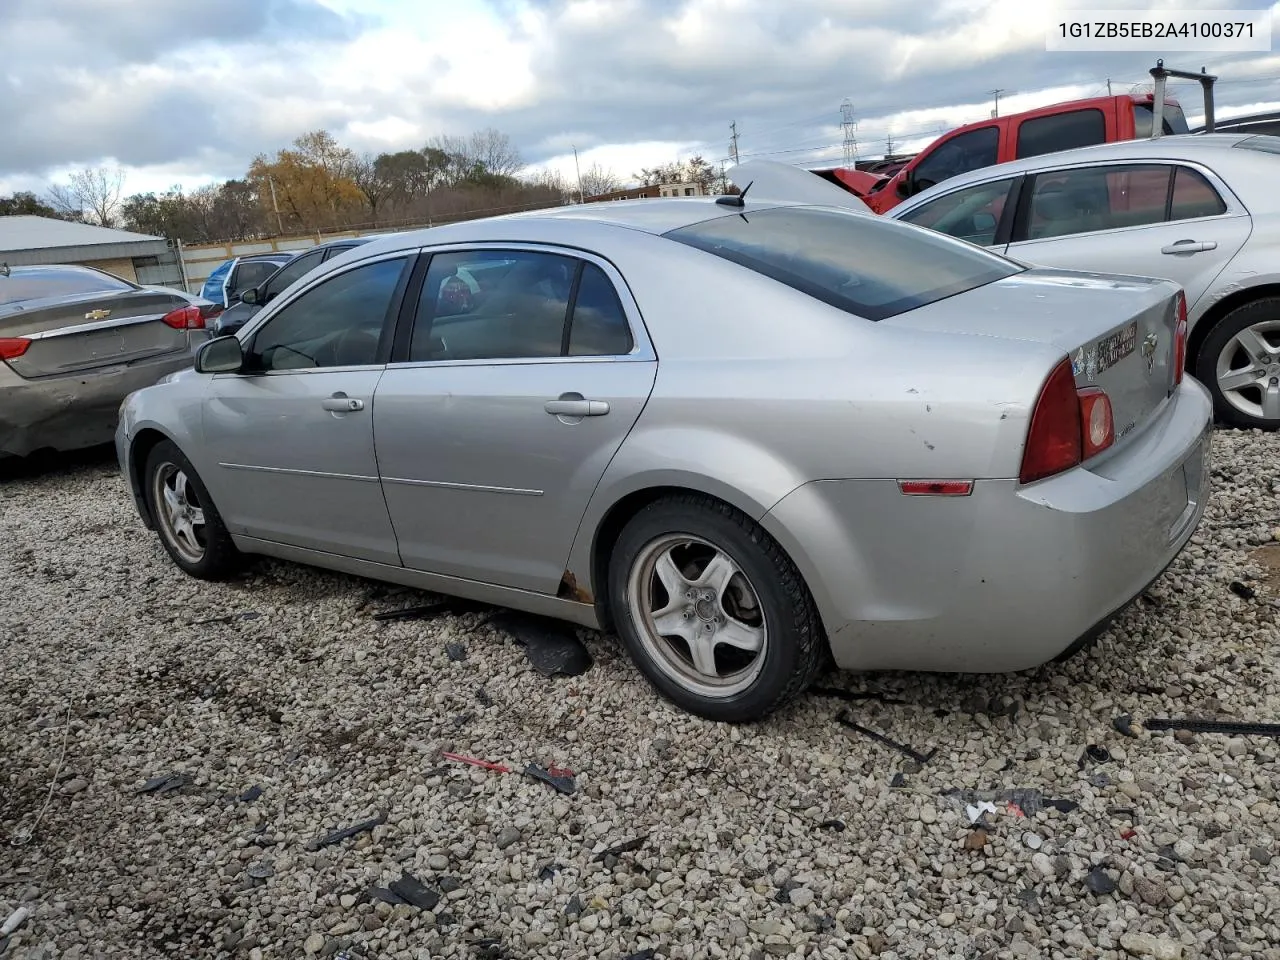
969	151
1061	131
290	272
1194	196
493	305
598	326
337	323
248	274
1088	199
971	214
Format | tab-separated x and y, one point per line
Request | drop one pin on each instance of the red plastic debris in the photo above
1016	810
476	762
1128	834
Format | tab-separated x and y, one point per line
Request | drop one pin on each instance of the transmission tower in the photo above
850	138
733	141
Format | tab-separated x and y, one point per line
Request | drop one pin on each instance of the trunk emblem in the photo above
1149	350
97	314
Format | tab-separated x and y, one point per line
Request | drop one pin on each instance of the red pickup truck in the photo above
1061	126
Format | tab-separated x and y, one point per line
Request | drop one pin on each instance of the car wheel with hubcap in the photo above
1239	362
189	525
712	610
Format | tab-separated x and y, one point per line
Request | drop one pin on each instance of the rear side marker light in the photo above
1180	340
936	488
1099	424
185	318
13	347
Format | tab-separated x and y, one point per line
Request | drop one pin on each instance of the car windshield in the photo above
869	266
57	283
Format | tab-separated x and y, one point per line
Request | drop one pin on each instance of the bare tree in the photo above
496	152
597	180
371	177
92	194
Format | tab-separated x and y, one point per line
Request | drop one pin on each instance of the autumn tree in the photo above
25	203
311	183
92	194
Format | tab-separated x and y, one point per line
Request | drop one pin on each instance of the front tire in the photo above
1239	363
190	527
712	611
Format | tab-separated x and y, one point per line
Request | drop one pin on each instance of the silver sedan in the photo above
741	436
1199	210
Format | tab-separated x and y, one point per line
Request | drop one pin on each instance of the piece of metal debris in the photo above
551	646
346	833
1124	725
1093	753
1216	726
627	846
846	721
1243	591
457	651
411	890
556	777
165	783
252	794
476	762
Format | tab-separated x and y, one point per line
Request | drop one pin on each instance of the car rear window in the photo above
44	284
869	266
1264	143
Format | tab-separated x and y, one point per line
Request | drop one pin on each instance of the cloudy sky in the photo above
188	91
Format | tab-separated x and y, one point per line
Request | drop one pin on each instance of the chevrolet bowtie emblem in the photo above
97	314
1149	349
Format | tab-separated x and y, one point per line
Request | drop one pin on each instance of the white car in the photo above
1201	210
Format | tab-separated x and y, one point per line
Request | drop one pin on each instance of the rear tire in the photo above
189	525
712	610
1239	364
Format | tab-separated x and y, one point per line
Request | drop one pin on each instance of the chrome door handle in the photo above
577	408
341	403
1190	246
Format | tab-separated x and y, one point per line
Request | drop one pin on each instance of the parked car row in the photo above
706	424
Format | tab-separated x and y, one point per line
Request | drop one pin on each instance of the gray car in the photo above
1200	210
740	436
74	342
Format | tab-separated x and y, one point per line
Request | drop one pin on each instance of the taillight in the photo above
1180	340
1099	424
1068	426
13	347
1054	441
185	318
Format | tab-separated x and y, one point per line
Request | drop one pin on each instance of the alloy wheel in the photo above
181	515
1248	370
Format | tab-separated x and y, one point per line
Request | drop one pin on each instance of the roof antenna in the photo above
736	201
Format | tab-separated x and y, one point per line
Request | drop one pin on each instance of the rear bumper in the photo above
75	411
1010	577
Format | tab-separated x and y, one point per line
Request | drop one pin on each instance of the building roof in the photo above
32	240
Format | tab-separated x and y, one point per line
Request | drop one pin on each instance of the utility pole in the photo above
733	141
996	94
581	197
850	138
888	149
275	206
1108	86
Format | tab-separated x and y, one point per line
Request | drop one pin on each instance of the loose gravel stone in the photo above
336	717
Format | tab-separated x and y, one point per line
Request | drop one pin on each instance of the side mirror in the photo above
221	355
249	296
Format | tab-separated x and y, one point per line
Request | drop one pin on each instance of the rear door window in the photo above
1089	199
250	273
971	214
1194	196
1061	131
872	267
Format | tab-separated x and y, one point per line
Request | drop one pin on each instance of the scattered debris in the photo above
230	618
385	895
560	779
627	846
551	646
462	719
846	721
252	794
1242	591
976	840
1099	881
1128	833
411	890
852	696
16	919
490	948
839	826
1032	840
262	870
476	762
574	907
1093	753
1026	801
898	780
165	783
1063	806
437	609
346	833
549	872
1216	726
975	811
457	651
1124	725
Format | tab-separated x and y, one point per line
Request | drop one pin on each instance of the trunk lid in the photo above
1118	331
73	334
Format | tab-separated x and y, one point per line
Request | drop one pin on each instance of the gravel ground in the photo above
785	839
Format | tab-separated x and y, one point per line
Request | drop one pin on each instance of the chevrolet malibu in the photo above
743	434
